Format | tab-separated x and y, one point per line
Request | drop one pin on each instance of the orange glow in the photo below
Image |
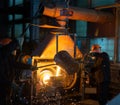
65	42
58	71
62	23
45	76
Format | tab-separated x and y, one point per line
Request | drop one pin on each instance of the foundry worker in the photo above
100	72
8	68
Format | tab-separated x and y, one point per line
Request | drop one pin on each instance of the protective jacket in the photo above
98	65
9	67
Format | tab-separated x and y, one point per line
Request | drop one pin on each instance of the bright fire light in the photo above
58	71
46	78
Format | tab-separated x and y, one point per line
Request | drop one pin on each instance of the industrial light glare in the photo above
58	71
45	76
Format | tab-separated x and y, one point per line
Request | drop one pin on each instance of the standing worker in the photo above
8	68
100	72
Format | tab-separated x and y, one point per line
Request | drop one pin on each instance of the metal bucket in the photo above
65	60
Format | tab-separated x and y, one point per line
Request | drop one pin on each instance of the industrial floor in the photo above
84	102
88	102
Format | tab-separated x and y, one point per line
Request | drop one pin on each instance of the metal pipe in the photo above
84	14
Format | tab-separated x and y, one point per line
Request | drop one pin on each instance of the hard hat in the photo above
95	47
5	41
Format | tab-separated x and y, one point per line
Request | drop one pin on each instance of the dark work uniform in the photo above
98	65
103	86
8	65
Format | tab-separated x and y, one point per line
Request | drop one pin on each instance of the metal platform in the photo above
89	102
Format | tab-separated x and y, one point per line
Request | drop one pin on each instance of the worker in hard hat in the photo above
96	48
99	69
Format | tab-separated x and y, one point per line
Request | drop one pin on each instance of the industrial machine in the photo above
60	76
57	74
